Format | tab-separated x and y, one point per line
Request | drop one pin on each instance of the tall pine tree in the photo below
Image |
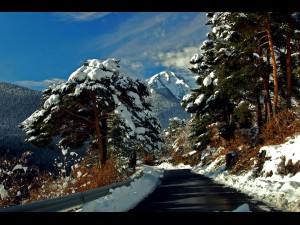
83	109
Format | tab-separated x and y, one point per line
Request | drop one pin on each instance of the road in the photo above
184	191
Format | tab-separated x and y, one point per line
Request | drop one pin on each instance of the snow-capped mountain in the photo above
176	84
167	89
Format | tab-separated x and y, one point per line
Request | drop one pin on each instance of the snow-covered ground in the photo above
280	191
283	192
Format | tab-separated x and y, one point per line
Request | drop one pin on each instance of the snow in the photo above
192	152
199	99
282	192
275	153
3	192
94	69
64	151
207	81
195	58
125	198
79	174
20	167
52	100
125	115
136	98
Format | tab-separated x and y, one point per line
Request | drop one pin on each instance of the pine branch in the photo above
265	43
80	117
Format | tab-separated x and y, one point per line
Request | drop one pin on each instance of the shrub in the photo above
86	178
148	160
17	177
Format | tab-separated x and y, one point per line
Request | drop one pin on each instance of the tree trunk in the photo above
259	119
273	63
133	160
104	137
265	79
288	66
98	130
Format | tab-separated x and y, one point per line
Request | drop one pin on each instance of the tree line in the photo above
248	71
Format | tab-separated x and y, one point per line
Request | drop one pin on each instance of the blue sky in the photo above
39	48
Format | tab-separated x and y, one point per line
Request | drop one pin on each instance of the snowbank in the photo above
125	198
279	191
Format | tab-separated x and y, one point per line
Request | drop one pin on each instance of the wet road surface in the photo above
184	191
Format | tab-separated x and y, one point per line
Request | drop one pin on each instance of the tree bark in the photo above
103	121
259	119
273	63
265	79
98	130
288	65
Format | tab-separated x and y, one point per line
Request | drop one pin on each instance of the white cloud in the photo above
176	59
39	84
144	35
132	68
81	16
154	32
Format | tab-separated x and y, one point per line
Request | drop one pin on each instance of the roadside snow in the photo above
277	190
125	198
3	192
282	192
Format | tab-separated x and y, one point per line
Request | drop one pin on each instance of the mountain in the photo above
17	103
167	89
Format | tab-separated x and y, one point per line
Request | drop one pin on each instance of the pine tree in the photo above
84	108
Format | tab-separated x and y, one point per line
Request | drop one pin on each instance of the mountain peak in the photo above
176	84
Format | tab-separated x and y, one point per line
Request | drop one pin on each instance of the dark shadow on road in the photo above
184	191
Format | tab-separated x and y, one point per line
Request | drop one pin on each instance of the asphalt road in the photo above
184	191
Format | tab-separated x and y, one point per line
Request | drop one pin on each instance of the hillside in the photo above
17	104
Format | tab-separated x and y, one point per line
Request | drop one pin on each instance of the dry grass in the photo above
81	179
281	126
288	168
89	178
245	155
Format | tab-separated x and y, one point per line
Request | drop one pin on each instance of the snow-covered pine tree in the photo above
235	68
208	103
82	109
